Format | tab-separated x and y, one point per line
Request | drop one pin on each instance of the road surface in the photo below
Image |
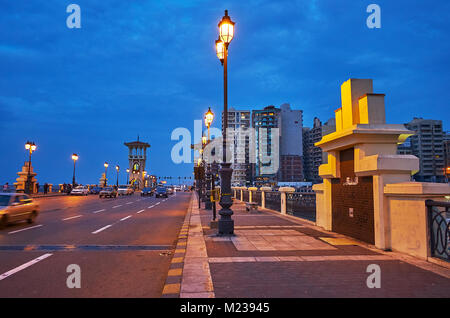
120	245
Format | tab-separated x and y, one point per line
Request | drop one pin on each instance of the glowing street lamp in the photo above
30	146
128	176
74	158
226	223
117	169
106	170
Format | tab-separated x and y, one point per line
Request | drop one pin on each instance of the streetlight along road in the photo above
30	146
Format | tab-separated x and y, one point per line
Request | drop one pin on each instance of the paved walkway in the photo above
281	256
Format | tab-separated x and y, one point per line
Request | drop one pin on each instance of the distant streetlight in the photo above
226	34
117	169
106	170
74	158
209	117
128	176
30	146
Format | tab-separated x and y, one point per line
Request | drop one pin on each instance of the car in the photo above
80	190
161	192
17	207
125	190
108	192
170	190
95	190
147	191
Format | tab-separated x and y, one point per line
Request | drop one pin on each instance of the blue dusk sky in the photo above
147	67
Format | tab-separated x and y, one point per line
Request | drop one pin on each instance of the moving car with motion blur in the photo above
80	190
147	191
108	192
17	207
125	190
170	190
161	192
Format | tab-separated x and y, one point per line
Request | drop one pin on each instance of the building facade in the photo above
428	145
312	155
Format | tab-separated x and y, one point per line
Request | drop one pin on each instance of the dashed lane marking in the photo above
72	217
28	228
140	211
99	211
127	217
117	206
102	229
22	267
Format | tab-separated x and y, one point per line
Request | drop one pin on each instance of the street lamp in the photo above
226	223
209	117
74	158
128	176
30	146
117	182
106	170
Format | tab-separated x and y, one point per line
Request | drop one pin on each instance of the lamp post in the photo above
117	182
30	146
226	223
128	176
106	170
74	158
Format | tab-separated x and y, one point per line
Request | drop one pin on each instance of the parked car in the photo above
147	192
95	190
124	190
161	192
80	190
17	207
108	192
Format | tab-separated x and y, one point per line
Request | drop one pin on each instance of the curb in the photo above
172	285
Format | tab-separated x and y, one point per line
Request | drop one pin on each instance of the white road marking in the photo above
127	217
103	228
72	217
140	211
151	206
117	206
129	202
99	211
157	203
22	267
28	228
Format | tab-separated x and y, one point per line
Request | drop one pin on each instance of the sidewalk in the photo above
280	256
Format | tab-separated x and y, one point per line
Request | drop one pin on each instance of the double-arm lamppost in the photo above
30	146
226	223
117	169
209	116
106	170
74	158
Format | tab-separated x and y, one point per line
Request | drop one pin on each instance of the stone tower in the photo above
137	158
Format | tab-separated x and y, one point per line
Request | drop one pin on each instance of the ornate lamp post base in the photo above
226	224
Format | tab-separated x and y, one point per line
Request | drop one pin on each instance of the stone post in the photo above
250	193
283	191
242	193
263	195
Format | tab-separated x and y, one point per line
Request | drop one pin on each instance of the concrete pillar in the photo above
263	195
242	193
283	191
250	193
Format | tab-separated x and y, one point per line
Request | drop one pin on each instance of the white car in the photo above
124	190
80	190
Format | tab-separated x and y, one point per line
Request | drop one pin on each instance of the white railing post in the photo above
263	196
283	191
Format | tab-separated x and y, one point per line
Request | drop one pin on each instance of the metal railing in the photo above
273	200
301	205
256	197
439	228
245	195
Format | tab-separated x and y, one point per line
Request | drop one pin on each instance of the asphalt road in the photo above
119	244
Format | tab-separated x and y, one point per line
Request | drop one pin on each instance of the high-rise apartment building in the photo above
312	155
239	122
428	145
